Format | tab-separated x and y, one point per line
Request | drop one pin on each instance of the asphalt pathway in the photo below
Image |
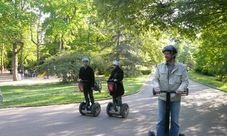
203	113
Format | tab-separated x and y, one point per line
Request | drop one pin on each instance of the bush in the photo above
146	72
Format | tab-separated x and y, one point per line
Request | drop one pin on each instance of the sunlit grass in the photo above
207	80
58	93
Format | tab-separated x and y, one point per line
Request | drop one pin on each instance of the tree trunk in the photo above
15	62
2	58
38	53
61	44
21	60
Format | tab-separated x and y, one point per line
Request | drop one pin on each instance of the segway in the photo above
85	108
113	108
168	93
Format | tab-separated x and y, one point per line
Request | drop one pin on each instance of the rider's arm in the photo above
80	73
156	79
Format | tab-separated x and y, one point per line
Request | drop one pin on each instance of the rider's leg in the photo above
86	96
175	110
90	91
114	99
119	100
160	127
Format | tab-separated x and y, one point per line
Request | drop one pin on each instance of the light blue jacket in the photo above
178	79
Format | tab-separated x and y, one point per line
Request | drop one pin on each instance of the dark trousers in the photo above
88	91
117	100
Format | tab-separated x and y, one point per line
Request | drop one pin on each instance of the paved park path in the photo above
203	113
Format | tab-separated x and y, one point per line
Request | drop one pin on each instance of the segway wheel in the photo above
82	107
151	133
95	109
181	134
154	93
124	110
109	107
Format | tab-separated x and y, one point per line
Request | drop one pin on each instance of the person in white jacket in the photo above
169	75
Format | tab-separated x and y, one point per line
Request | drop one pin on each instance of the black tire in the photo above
95	109
124	110
154	93
82	107
181	134
108	108
151	133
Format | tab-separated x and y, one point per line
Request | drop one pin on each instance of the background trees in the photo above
33	33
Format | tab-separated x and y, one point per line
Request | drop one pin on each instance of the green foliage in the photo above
200	15
67	64
63	64
211	56
146	72
152	46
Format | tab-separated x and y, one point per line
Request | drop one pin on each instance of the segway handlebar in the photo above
185	92
83	80
167	91
171	91
112	80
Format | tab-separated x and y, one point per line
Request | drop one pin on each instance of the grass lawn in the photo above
207	80
58	93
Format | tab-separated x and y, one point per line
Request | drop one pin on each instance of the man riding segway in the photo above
170	77
86	85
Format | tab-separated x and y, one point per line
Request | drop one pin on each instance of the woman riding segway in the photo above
117	90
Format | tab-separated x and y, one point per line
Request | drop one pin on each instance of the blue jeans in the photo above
174	112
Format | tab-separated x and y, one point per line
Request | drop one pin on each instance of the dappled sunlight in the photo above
202	108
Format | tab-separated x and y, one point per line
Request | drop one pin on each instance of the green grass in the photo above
207	80
58	93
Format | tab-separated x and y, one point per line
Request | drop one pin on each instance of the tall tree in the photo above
66	19
15	22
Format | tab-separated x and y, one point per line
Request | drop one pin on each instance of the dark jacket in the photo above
87	74
118	74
